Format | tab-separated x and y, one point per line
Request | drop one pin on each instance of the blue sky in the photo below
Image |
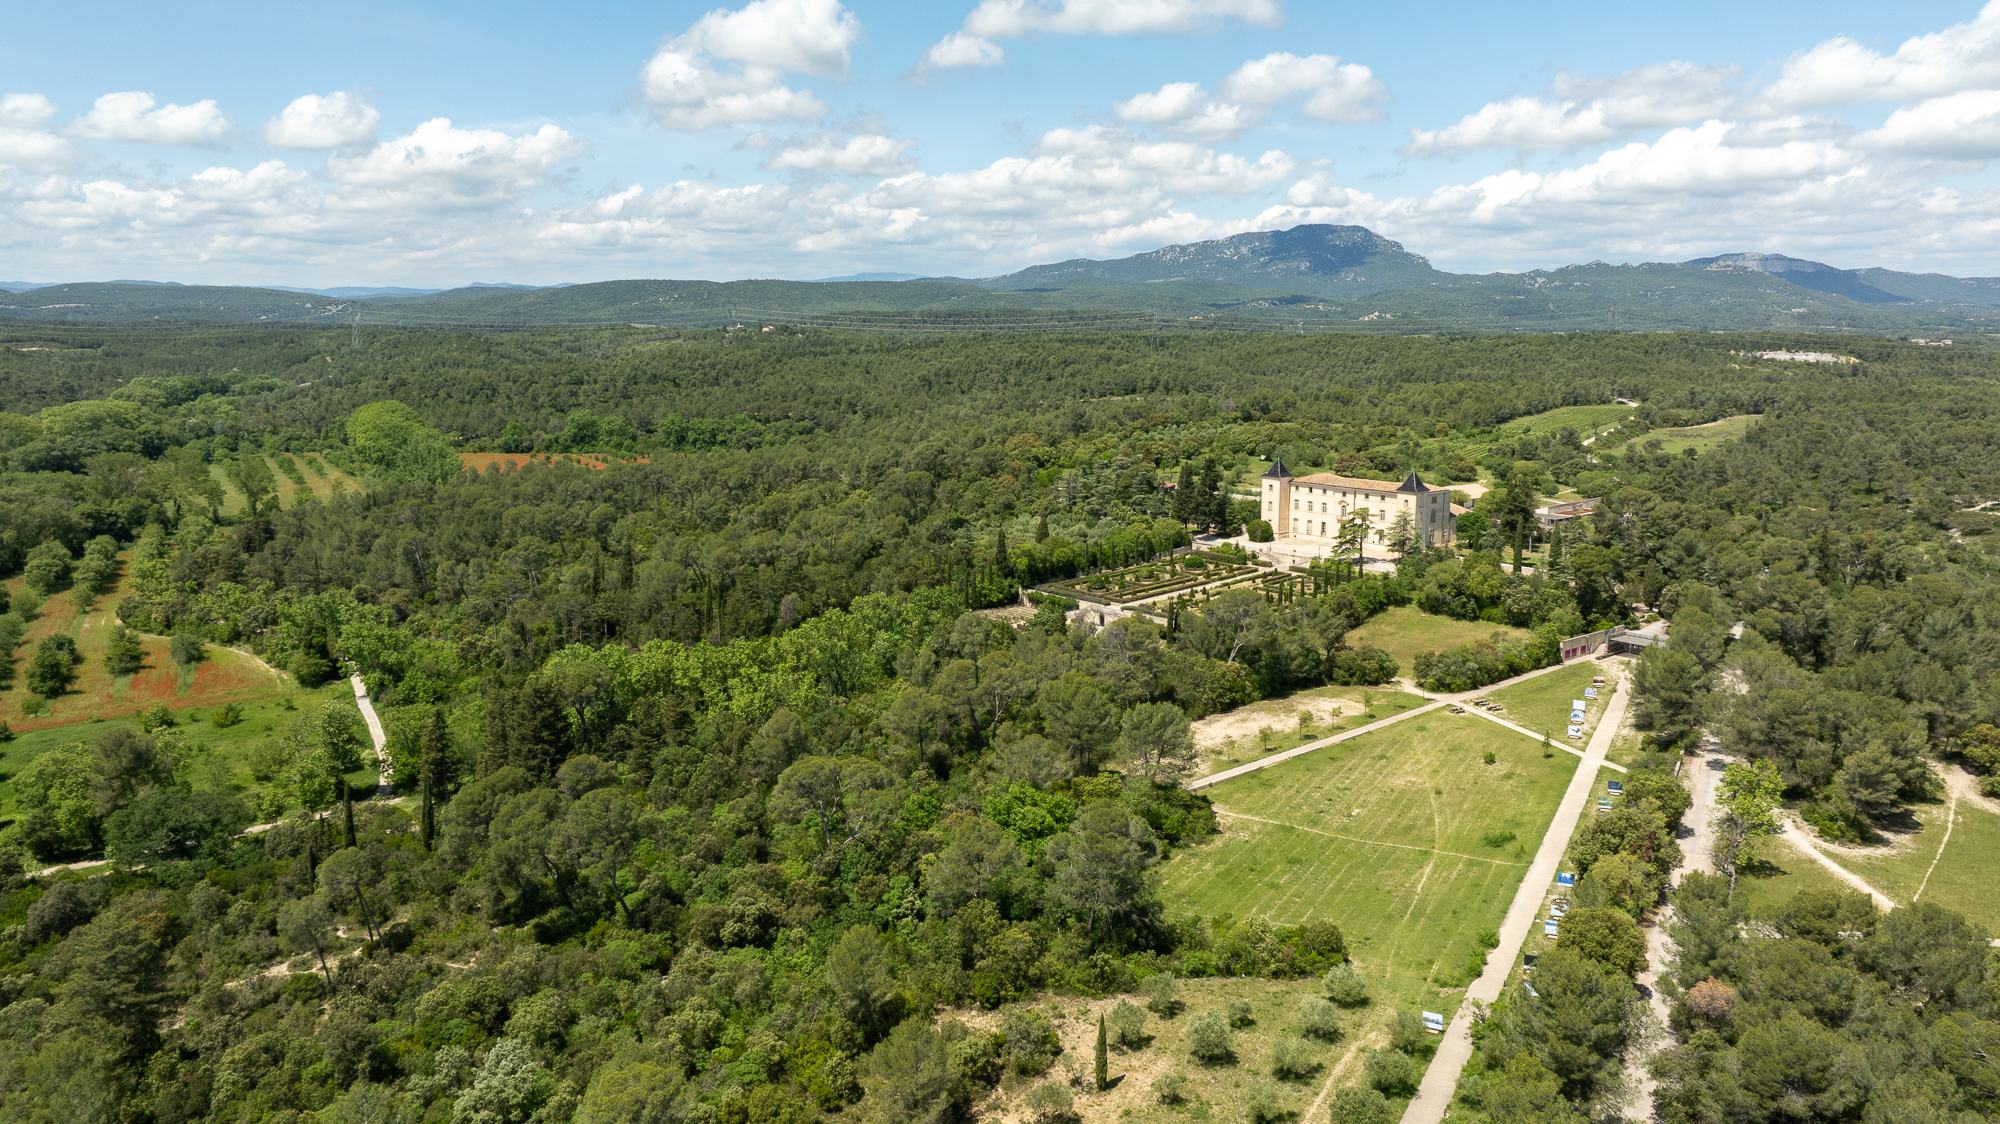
438	144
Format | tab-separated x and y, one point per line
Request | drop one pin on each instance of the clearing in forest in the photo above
1958	873
1702	437
1586	420
1215	1091
322	481
223	675
1406	632
1405	837
1780	870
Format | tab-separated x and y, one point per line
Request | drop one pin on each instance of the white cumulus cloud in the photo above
1962	126
1334	92
729	67
25	111
973	44
869	154
438	166
1841	71
1577	111
324	121
132	115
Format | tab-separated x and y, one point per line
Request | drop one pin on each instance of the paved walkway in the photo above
1441	1078
1441	700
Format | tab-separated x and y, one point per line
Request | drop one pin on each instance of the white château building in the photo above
1314	507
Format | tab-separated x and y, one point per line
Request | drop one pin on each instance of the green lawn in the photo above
1542	703
1384	834
1404	632
1966	871
1780	871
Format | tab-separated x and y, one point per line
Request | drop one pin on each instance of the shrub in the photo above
1162	995
1407	1033
1497	838
1050	1102
229	715
1319	1019
1240	1013
186	649
1259	531
1170	1088
1032	1042
1344	986
1293	1058
1264	1102
1128	1023
1392	1071
158	718
1360	1105
1209	1038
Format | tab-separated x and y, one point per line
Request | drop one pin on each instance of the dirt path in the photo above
375	733
1800	836
1697	838
1442	700
1441	1077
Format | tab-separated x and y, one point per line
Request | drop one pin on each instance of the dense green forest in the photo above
719	787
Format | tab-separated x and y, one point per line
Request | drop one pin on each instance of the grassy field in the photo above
224	676
98	701
1404	632
1215	1093
1967	866
1233	737
1702	437
1780	871
1586	420
262	721
1542	703
1388	835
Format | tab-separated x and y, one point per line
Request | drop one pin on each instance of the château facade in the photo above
1314	507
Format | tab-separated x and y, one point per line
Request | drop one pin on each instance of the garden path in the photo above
1441	1077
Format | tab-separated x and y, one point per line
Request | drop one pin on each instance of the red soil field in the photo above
225	676
513	462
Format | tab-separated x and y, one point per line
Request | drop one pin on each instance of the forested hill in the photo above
722	799
1309	278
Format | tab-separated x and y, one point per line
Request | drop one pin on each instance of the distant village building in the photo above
1555	513
1314	507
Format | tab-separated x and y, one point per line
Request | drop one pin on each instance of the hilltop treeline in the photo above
719	789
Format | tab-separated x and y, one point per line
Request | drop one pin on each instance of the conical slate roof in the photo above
1412	484
1278	470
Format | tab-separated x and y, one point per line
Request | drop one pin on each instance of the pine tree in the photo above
1183	507
1103	1060
437	770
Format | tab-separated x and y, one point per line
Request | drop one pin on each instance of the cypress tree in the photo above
1042	528
347	798
1103	1060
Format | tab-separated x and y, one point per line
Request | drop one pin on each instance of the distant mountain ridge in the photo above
1316	276
1319	260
